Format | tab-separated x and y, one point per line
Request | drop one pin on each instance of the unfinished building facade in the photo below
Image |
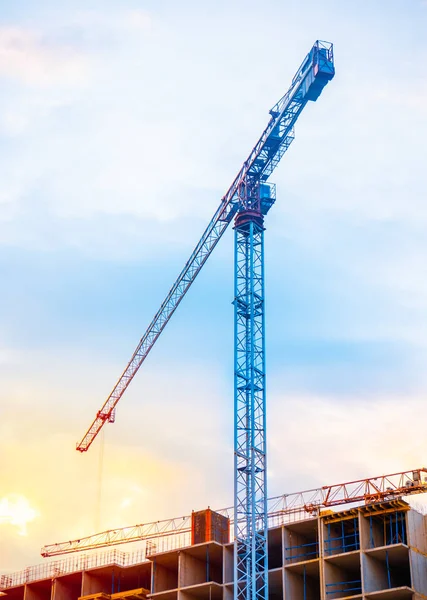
375	551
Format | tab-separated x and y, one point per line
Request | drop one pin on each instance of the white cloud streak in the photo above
26	56
323	440
137	20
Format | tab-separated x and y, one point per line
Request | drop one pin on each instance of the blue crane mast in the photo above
247	201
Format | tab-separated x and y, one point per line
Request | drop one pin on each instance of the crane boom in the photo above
369	490
307	84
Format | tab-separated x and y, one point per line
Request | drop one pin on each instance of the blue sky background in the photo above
121	126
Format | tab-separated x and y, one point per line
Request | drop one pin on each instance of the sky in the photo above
122	124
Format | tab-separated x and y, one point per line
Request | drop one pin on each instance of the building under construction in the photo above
360	540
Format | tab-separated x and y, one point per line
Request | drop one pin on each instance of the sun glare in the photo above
16	510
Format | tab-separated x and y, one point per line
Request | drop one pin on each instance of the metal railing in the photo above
72	564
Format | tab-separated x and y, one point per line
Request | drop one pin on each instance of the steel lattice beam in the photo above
250	467
280	510
314	73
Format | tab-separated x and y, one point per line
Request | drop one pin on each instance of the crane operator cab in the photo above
316	70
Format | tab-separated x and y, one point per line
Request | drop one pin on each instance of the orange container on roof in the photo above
209	526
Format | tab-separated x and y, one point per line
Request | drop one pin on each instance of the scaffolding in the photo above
342	535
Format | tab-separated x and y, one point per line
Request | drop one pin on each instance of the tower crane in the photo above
247	202
281	509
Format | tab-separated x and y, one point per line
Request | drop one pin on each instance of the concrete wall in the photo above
67	587
374	574
40	590
418	564
417	530
228	563
191	570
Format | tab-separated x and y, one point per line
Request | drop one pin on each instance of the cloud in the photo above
8	356
125	19
104	150
27	56
152	456
63	511
321	440
392	95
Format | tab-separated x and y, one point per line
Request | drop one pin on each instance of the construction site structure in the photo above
375	549
375	552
